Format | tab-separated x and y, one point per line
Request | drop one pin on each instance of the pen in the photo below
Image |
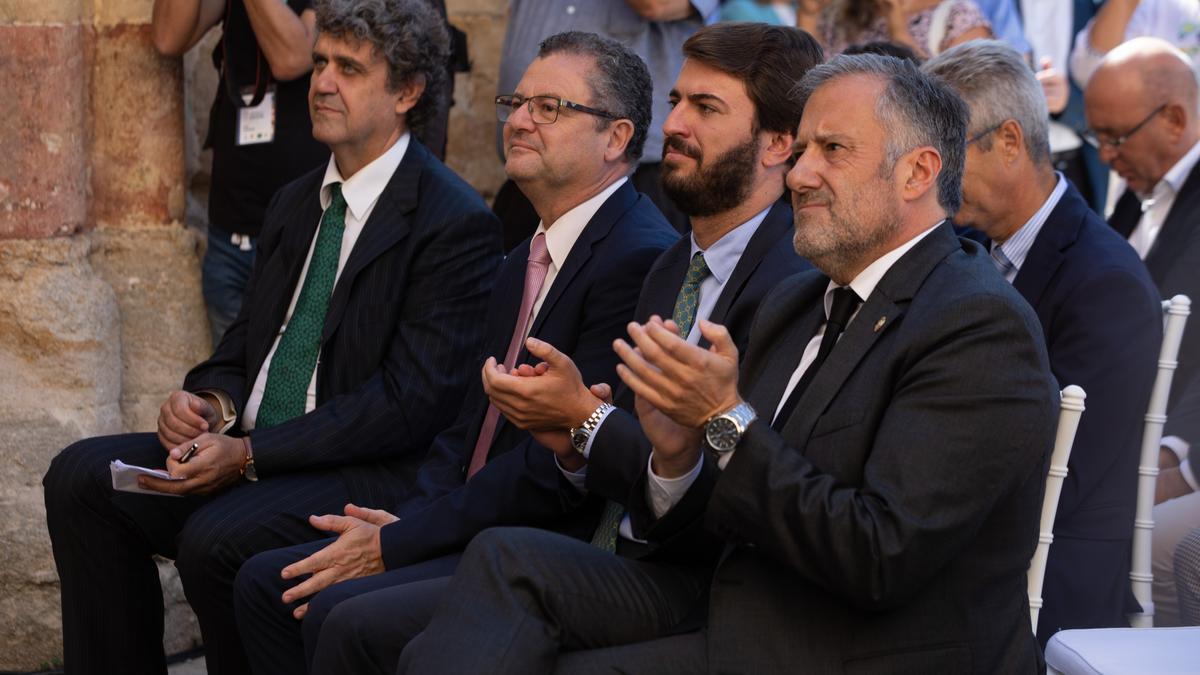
188	454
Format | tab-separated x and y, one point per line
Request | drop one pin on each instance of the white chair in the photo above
1175	316
1142	649
1069	411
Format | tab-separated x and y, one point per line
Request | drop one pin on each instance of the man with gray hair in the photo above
350	354
1079	276
843	501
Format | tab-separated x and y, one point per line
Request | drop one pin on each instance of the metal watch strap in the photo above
589	425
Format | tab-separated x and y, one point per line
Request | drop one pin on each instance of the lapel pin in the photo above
879	324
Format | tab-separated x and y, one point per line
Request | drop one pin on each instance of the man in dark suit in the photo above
574	130
1079	275
880	523
1154	144
347	358
728	148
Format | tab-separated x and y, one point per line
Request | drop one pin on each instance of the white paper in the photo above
124	478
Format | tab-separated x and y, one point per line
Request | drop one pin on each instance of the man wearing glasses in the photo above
1142	109
573	132
1097	307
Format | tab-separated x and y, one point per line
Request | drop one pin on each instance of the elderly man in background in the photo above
1142	110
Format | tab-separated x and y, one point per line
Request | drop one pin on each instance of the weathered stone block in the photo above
59	352
41	11
136	107
472	136
43	178
114	12
154	272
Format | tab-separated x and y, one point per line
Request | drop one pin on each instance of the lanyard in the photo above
260	82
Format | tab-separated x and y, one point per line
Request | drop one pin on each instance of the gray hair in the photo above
620	82
997	85
914	110
409	34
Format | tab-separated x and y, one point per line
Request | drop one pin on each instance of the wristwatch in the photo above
722	432
248	469
581	434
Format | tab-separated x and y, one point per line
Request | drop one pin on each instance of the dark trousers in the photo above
520	220
1086	586
523	596
366	635
103	541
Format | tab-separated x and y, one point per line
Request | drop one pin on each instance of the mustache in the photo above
327	101
681	146
809	197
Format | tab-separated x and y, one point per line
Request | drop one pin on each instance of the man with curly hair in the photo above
350	354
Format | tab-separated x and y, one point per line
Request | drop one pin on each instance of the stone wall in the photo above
103	191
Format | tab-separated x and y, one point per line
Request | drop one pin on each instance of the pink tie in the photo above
535	274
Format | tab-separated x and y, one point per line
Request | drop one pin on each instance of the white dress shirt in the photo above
361	192
662	497
1157	204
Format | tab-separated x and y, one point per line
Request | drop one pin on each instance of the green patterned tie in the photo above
684	316
291	370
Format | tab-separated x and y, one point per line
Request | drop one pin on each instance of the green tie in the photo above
291	370
684	316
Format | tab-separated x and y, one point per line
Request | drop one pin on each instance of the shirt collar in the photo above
1173	180
1016	248
864	284
363	188
723	254
562	233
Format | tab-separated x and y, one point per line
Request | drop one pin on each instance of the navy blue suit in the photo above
588	306
620	450
401	325
1100	315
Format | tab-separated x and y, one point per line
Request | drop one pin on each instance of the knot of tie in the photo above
538	253
845	301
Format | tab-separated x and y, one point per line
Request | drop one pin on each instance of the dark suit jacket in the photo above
888	527
620	450
402	321
1174	264
588	306
1101	316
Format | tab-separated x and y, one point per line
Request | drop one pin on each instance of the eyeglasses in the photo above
543	109
1098	141
979	136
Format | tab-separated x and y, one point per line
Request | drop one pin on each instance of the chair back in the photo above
1175	315
1069	411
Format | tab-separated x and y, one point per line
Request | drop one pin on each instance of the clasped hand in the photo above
216	464
355	553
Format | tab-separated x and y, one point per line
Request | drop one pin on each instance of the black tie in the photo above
845	301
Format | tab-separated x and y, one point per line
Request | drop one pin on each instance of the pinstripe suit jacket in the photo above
588	306
403	320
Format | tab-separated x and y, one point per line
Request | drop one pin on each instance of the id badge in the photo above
256	125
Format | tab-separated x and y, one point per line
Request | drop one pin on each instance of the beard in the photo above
712	188
841	236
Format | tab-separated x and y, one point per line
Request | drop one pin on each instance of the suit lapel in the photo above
1176	228
778	219
1126	214
875	318
595	231
388	224
662	284
1059	232
771	379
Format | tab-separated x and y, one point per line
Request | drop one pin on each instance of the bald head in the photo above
1153	68
1146	82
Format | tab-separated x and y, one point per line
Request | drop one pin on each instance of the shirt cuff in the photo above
225	405
587	447
664	493
578	479
1185	470
1176	445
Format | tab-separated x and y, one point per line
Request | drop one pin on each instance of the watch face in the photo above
579	439
722	434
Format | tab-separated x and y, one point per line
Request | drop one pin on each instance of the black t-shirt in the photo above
245	177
